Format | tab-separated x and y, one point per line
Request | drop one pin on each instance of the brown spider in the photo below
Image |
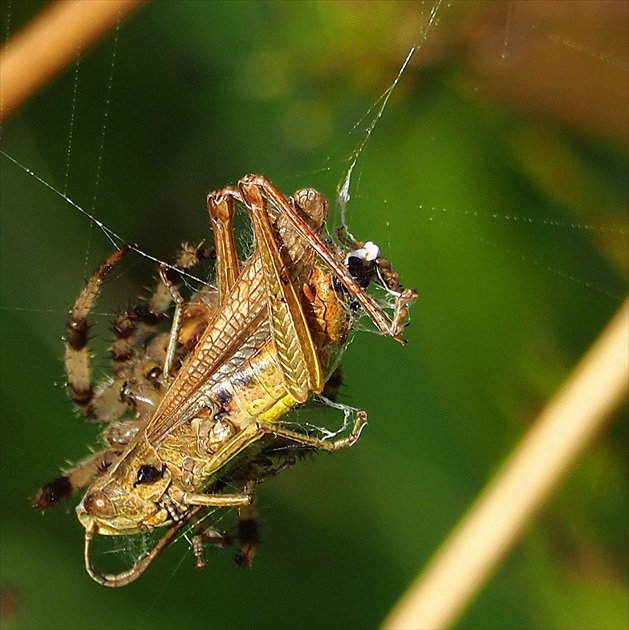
207	398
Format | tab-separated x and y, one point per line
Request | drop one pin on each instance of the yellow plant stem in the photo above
543	457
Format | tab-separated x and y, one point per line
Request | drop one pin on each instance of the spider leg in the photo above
77	356
81	474
248	535
135	380
137	324
286	446
257	469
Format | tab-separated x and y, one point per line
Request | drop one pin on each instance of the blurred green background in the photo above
507	132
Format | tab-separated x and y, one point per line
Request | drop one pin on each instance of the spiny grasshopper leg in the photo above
257	430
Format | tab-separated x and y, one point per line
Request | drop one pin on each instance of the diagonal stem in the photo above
487	532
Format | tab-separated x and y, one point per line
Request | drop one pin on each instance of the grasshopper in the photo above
239	356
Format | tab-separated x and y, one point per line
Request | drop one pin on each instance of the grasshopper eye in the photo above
148	474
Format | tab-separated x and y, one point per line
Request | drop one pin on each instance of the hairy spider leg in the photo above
133	328
136	332
77	356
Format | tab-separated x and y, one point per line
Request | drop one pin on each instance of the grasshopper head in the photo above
128	497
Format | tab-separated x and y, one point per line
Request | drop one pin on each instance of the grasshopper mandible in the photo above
238	357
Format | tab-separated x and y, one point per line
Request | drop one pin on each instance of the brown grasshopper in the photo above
238	357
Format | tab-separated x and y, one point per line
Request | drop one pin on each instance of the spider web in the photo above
49	243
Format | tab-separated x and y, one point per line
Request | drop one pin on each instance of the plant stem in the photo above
543	457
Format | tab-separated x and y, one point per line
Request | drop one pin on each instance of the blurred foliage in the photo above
499	194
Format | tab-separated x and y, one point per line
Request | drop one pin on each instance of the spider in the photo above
200	407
